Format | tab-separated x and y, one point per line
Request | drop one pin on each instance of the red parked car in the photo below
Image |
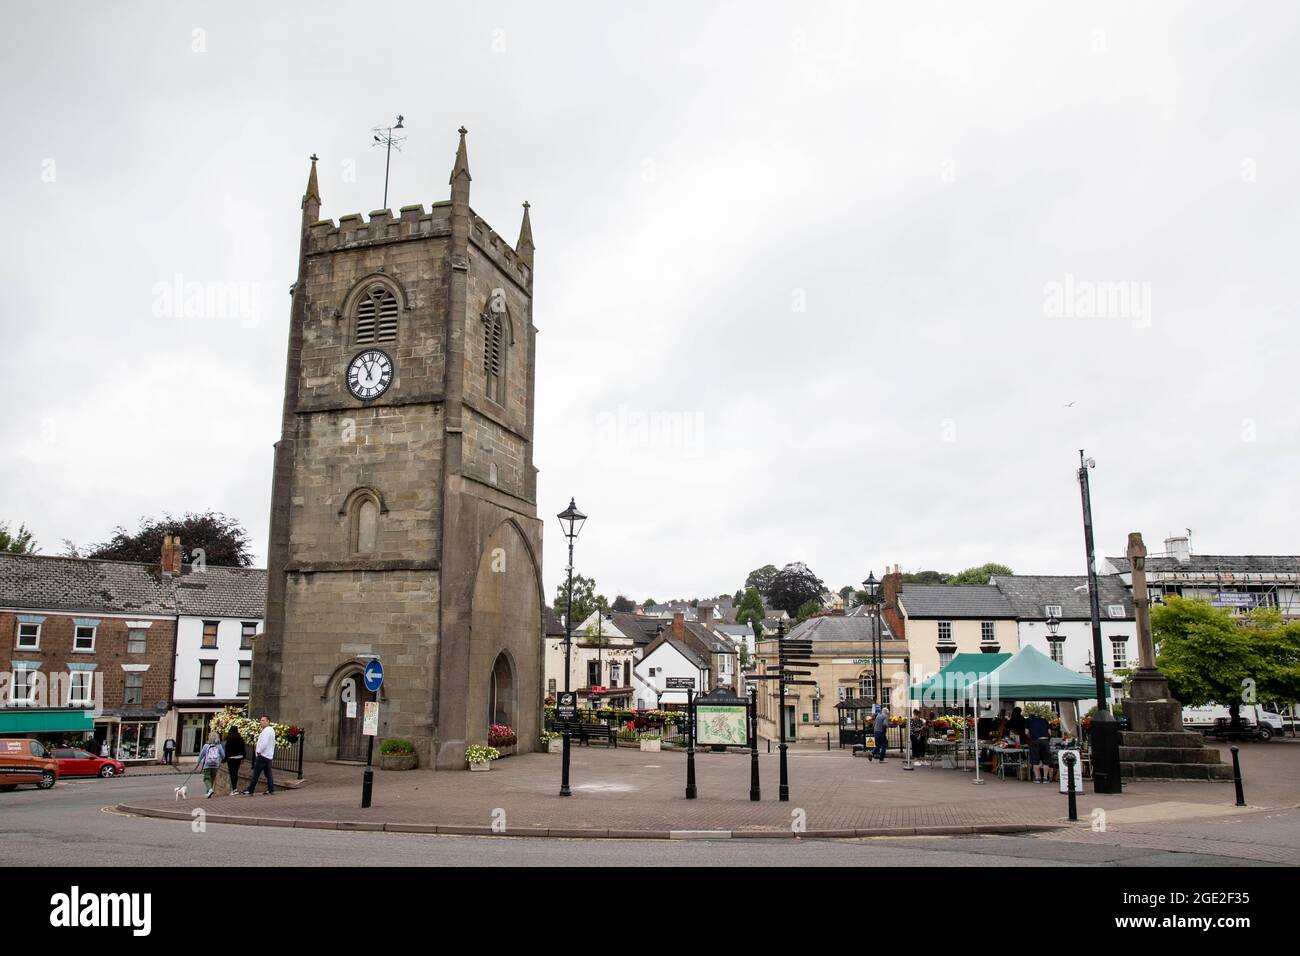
80	763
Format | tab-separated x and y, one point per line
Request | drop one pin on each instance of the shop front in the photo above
53	726
130	736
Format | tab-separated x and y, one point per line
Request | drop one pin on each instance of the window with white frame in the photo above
81	688
866	685
817	710
207	678
245	677
1053	610
133	688
25	684
135	640
987	633
84	639
1057	649
1119	652
1115	610
614	671
945	658
29	636
550	687
945	632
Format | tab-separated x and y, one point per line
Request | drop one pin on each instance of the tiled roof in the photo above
78	584
836	627
1029	594
223	592
125	587
1211	563
954	601
639	627
553	626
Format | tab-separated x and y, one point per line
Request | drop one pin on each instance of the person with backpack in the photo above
235	753
210	759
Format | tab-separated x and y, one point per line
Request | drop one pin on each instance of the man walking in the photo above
263	755
169	748
879	727
1040	747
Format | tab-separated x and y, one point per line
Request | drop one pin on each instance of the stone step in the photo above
1170	755
1174	771
1182	739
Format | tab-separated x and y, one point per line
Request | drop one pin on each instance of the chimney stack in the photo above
890	585
704	613
1180	548
679	625
172	555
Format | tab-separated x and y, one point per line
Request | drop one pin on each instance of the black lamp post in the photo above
571	520
1105	729
872	586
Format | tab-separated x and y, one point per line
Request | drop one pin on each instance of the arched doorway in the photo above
501	692
352	698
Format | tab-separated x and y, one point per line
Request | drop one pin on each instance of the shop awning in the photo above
1032	675
952	686
35	721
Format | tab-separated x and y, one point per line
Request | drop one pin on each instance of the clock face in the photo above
370	374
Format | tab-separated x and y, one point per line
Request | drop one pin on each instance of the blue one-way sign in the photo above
374	675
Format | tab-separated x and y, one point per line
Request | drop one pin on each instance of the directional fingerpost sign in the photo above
374	675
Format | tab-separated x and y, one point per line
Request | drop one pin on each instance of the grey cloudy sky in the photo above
814	281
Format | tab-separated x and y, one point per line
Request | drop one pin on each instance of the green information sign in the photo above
721	724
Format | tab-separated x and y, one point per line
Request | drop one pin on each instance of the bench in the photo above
586	733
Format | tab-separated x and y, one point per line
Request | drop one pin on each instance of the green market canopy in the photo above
1032	675
954	685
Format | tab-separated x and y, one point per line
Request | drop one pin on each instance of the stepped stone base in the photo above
1176	755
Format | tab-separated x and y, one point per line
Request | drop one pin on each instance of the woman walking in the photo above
235	753
210	758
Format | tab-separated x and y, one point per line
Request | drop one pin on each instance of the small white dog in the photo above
182	792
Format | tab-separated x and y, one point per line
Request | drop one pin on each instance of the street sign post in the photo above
566	706
373	676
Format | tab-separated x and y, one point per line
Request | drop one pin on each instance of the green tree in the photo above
736	598
585	598
794	585
20	542
750	608
623	604
222	540
648	602
1208	656
846	594
762	578
926	577
980	574
808	608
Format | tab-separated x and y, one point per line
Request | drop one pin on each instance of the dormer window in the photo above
1115	610
376	316
1053	610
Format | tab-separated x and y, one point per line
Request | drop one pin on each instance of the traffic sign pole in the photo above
690	743
373	676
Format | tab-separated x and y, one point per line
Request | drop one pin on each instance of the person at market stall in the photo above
878	728
918	729
1016	724
1040	746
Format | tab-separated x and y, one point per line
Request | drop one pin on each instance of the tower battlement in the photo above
413	222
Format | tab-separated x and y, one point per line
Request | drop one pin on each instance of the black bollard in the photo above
1069	759
690	746
564	767
1236	776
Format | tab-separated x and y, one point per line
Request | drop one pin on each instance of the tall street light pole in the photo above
1105	729
872	585
571	520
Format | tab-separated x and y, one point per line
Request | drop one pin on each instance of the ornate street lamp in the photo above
571	520
872	585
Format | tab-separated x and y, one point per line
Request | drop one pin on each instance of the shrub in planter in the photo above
552	742
397	754
651	743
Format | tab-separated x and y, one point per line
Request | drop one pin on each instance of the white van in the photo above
1263	719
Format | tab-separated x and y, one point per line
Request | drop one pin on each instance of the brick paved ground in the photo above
625	789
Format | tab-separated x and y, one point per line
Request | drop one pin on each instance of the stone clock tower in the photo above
403	506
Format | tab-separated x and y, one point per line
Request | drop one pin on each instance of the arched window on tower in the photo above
363	511
376	316
495	343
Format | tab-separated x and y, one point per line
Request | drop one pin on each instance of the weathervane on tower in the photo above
383	136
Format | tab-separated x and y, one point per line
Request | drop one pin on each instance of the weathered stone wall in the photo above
333	618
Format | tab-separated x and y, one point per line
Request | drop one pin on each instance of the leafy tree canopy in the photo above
222	541
794	585
1208	656
926	577
980	574
585	599
762	578
808	608
750	608
18	542
623	604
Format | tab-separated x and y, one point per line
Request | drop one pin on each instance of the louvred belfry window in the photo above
377	317
494	358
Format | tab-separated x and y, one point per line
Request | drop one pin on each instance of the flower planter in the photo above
481	765
555	746
398	761
651	746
